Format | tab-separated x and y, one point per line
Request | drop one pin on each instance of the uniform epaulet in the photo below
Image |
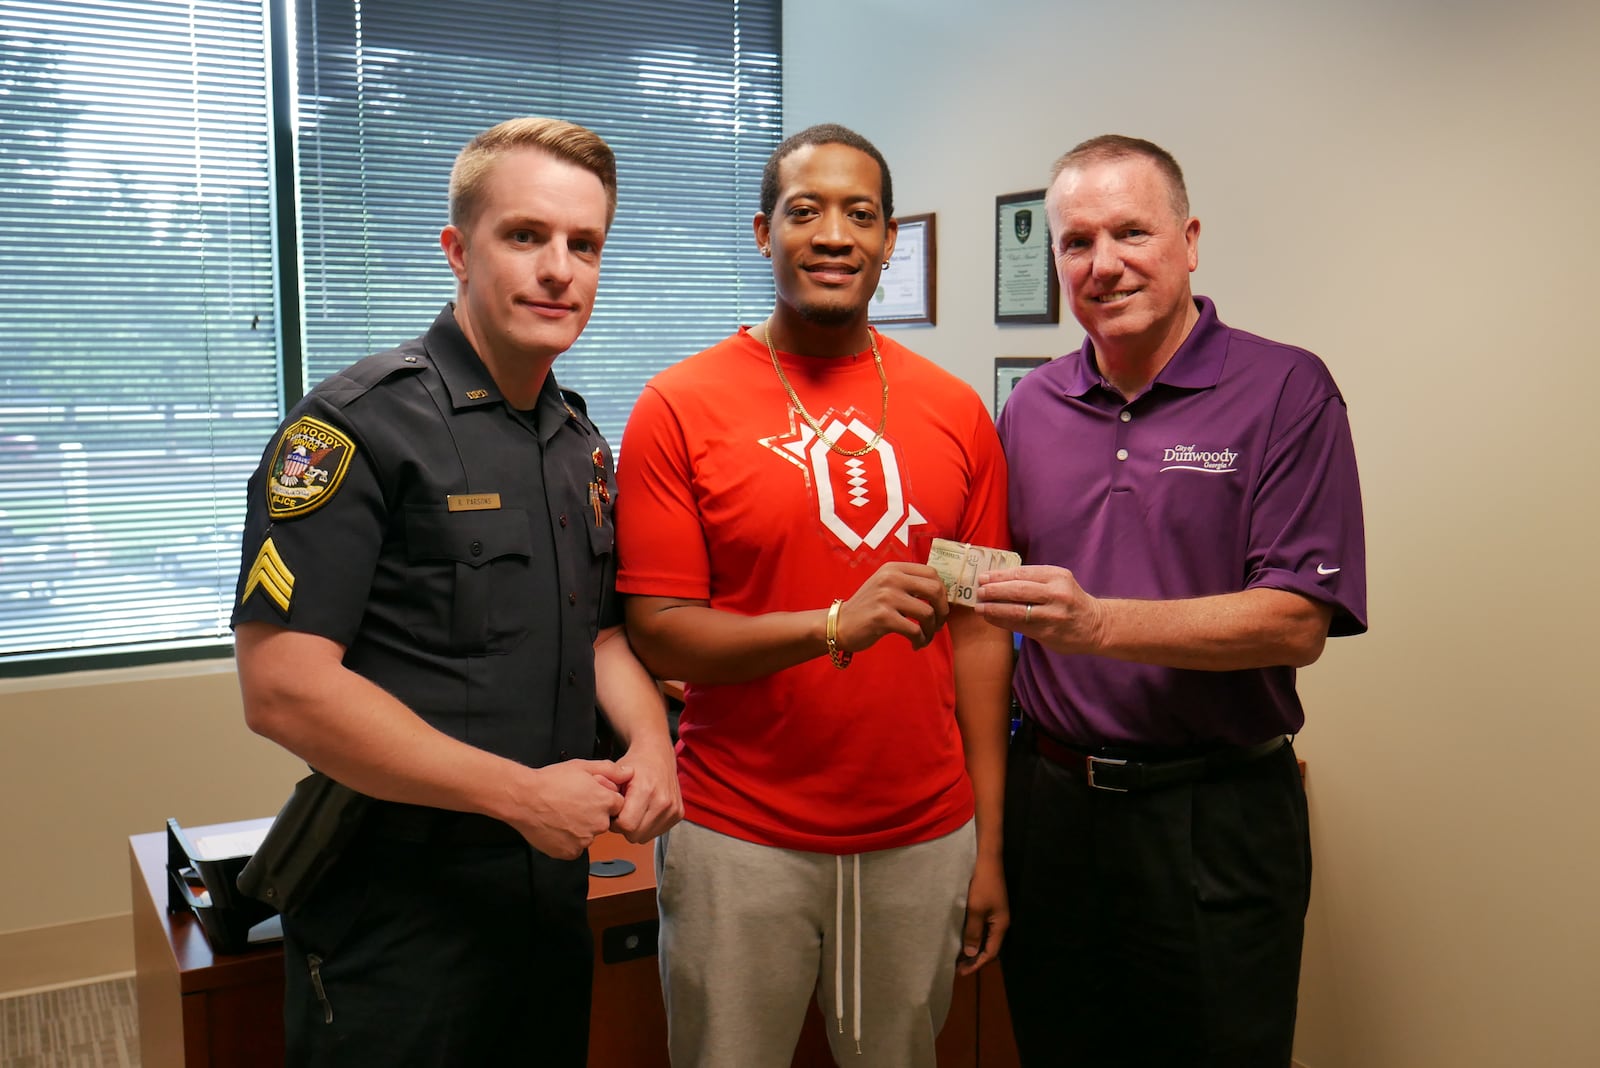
363	375
575	400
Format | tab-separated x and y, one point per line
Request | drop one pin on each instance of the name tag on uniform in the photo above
472	502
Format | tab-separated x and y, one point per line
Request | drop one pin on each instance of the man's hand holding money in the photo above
1046	604
959	565
900	598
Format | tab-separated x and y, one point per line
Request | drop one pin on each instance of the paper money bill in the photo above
960	564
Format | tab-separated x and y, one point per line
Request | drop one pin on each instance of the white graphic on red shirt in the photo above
861	500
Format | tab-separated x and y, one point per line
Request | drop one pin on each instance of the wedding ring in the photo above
1027	614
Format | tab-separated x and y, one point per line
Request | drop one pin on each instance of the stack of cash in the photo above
960	564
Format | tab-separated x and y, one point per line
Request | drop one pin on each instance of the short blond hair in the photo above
564	140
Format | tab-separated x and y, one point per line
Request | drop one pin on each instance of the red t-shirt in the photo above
726	495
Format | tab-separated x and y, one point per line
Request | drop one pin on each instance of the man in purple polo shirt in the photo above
1185	496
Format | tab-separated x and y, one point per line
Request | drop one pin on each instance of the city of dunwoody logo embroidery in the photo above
1192	458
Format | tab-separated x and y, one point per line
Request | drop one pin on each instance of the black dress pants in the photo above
413	954
1156	929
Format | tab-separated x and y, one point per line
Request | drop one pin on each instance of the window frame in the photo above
285	210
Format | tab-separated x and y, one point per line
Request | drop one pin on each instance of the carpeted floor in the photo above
91	1026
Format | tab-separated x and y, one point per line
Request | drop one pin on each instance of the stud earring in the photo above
886	265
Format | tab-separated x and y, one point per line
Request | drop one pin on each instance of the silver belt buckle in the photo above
1089	764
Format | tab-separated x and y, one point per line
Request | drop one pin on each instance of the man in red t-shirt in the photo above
842	746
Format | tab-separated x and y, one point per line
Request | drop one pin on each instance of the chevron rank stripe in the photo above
271	576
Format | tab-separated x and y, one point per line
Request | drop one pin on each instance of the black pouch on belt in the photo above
308	835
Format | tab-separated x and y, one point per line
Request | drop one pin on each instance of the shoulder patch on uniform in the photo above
271	576
307	467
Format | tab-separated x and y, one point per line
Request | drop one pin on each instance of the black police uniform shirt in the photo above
459	549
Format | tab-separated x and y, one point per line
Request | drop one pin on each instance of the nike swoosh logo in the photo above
1324	569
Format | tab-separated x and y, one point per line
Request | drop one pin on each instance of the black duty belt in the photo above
1120	772
436	826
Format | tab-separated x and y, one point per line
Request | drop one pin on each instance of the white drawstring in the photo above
838	932
858	953
838	946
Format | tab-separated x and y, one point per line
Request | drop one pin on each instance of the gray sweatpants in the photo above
748	932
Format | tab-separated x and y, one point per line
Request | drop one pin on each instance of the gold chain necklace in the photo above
883	418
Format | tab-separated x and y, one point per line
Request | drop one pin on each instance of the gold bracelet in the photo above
839	657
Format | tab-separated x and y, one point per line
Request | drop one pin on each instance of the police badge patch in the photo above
307	466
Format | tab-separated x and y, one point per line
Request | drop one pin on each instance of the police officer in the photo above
426	613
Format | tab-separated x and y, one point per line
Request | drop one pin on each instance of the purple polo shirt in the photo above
1235	469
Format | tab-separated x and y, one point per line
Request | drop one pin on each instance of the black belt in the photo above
396	822
1106	770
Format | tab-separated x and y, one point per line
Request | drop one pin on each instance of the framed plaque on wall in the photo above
1025	286
1008	371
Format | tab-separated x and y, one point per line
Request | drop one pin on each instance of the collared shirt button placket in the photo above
1121	431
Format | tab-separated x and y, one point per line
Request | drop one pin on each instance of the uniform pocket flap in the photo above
472	538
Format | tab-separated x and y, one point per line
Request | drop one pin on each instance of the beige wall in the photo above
88	759
1408	189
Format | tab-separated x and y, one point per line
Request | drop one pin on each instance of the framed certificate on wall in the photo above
905	295
1025	286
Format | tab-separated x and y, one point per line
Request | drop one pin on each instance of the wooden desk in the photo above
199	1009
